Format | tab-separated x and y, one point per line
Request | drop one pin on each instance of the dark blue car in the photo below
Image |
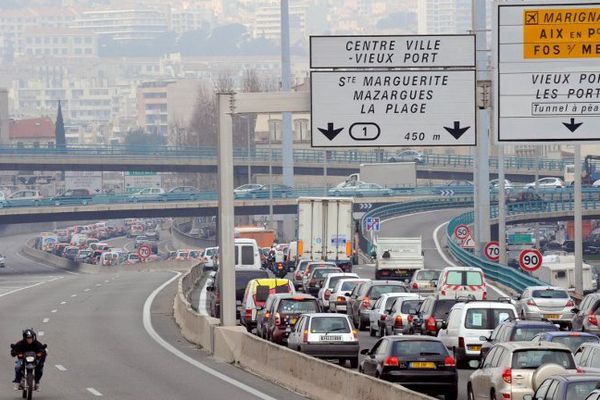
570	339
566	387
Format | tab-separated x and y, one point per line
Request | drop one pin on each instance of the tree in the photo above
139	138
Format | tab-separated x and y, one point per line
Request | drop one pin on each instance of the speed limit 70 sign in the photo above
462	231
492	251
144	251
530	260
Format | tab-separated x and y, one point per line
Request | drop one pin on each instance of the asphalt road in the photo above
98	343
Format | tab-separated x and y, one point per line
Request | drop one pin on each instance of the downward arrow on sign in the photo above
457	131
572	126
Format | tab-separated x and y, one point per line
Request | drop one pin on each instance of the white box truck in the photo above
559	270
390	175
325	230
398	258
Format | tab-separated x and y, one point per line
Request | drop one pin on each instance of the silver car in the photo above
515	369
339	298
401	315
424	280
551	303
587	315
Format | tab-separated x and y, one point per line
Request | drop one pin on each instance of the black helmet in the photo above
28	333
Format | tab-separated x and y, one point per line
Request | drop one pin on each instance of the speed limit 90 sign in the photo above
530	260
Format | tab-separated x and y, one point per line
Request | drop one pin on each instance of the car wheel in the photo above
342	362
360	370
354	362
372	332
460	364
381	332
493	395
361	325
470	395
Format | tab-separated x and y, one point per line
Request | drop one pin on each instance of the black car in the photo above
431	315
73	196
419	363
515	330
566	387
243	275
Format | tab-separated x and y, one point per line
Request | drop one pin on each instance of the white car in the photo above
208	257
455	282
547	183
339	294
330	281
471	322
495	184
148	194
378	314
551	303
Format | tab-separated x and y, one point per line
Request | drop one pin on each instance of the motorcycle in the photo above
30	362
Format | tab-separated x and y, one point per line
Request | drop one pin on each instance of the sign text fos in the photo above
547	81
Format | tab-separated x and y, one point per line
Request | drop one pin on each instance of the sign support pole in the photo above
578	224
501	207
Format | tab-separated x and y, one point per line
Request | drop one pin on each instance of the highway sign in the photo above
392	51
530	260
393	108
547	80
373	224
462	232
492	251
144	251
365	206
446	192
468	243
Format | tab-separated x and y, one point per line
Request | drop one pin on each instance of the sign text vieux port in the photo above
547	82
393	90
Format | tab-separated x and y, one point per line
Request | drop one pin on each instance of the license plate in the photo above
551	316
294	320
330	338
474	347
424	365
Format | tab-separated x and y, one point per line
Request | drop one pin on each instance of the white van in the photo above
246	253
455	282
208	257
78	239
468	323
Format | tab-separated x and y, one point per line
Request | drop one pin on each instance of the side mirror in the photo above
373	254
575	310
474	364
484	338
364	351
444	325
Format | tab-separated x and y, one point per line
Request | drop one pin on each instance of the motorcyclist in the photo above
29	343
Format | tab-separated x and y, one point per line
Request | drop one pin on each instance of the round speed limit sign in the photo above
492	251
462	231
144	251
530	260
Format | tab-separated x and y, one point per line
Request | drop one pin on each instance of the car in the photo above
408	156
328	284
587	357
142	239
340	293
326	336
514	331
256	294
546	183
513	370
59	248
364	296
132	258
317	277
431	315
152	235
495	185
135	230
460	183
2	261
312	265
83	255
182	255
282	312
587	314
379	314
362	189
298	273
70	252
469	324
148	194
73	196
249	190
26	197
183	193
594	395
455	282
566	387
401	314
208	257
573	340
419	363
424	280
549	302
276	189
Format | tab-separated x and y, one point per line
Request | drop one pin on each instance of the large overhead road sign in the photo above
422	51
547	81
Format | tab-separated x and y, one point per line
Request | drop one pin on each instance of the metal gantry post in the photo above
501	207
226	108
287	137
578	224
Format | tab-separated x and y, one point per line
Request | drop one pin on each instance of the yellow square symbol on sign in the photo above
531	17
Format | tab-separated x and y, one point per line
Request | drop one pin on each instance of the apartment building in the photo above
57	42
123	25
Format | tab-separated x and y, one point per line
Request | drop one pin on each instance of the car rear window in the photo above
243	277
550	294
471	278
528	332
247	255
534	358
302	265
333	281
427	275
574	341
377	291
329	324
408	305
486	318
348	286
418	348
580	390
297	306
442	308
321	273
474	278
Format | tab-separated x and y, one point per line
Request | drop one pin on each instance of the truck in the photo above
559	270
397	258
264	237
325	230
390	175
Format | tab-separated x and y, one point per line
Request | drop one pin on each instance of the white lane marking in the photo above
60	367
63	302
98	284
449	262
41	333
86	289
27	287
45	320
73	295
107	281
167	346
53	311
94	392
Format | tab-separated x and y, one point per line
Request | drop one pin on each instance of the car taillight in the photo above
443	292
570	304
384	273
312	282
249	313
277	319
507	375
355	334
391	361
305	338
298	276
530	302
383	317
327	294
415	285
398	321
449	362
593	319
430	324
580	370
268	315
461	342
366	303
341	299
484	296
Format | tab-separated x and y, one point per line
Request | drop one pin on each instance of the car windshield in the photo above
580	390
484	318
550	294
297	306
377	291
534	358
427	275
574	341
527	333
329	324
408	305
418	348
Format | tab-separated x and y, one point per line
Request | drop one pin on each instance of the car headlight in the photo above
30	359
